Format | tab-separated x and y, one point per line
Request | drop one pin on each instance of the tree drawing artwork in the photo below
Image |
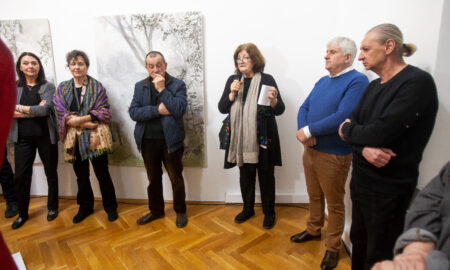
9	31
13	32
181	35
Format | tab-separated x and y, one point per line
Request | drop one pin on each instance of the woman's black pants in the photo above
24	156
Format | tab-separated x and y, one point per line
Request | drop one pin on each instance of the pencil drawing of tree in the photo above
8	32
45	48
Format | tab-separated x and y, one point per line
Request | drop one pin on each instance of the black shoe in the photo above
12	209
148	218
52	214
303	237
330	260
243	216
112	215
81	215
269	221
18	222
182	220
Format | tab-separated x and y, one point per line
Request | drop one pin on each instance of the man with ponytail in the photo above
388	132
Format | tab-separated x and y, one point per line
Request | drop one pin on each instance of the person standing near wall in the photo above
388	132
327	158
83	113
34	128
158	105
254	144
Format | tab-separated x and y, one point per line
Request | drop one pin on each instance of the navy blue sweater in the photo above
331	101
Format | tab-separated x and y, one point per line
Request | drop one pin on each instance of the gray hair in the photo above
387	31
346	45
154	54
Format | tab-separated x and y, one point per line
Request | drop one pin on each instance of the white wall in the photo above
438	151
292	37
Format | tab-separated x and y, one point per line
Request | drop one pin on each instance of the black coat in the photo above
269	151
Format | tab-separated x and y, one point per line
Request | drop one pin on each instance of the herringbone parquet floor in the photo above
211	240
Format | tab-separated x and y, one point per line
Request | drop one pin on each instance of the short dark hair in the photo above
22	81
74	54
257	58
154	54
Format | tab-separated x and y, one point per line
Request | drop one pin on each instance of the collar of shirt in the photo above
350	68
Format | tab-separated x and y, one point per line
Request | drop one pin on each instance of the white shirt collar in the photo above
350	68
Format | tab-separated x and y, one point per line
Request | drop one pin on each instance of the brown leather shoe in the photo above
330	260
303	237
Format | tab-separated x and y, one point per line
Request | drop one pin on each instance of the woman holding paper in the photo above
252	100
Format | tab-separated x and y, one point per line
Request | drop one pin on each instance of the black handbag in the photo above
224	133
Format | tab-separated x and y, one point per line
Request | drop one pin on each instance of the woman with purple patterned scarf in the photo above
82	108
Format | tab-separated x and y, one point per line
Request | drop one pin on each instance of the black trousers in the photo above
85	196
7	181
154	152
24	155
247	180
377	221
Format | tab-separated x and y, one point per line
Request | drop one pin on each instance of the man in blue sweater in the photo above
326	159
158	105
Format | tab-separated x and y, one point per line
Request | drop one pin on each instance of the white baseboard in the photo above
279	198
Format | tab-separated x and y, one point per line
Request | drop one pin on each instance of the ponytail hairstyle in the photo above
390	31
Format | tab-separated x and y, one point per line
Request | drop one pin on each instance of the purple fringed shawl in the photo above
95	103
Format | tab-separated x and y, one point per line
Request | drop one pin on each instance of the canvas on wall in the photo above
30	36
121	45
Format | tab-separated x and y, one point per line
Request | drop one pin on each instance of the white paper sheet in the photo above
263	95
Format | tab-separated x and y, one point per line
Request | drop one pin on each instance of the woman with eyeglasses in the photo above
253	142
34	127
82	108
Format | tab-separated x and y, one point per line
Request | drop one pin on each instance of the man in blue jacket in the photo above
326	159
158	106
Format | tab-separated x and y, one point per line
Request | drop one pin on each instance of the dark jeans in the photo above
377	221
7	181
85	196
247	180
154	151
25	153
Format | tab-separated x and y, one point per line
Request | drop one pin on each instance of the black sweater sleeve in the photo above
225	103
415	99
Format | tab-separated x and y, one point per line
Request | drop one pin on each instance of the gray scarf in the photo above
244	147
